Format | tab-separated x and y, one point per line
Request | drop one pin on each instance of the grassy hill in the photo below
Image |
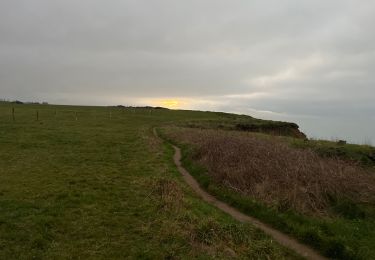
93	182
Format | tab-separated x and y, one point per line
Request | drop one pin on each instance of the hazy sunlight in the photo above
170	103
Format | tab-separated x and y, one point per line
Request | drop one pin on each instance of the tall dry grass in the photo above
271	171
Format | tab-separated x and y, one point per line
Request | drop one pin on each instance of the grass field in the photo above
324	200
94	183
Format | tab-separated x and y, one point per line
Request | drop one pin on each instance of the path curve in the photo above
281	238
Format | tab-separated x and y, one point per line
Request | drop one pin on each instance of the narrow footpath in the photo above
279	237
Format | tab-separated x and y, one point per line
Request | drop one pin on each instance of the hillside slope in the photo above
93	182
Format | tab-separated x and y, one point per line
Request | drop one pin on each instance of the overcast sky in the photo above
311	62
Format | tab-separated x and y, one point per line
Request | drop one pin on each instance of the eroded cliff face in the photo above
248	124
273	128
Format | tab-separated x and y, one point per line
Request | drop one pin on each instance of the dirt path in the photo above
281	238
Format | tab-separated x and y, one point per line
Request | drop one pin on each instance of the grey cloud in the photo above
308	58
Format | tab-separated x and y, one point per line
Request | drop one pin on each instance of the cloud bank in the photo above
307	61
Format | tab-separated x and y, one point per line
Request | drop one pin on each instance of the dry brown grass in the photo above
273	172
167	194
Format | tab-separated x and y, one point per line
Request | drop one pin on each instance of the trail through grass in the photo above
92	182
344	231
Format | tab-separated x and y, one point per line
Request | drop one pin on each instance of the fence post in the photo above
76	116
13	116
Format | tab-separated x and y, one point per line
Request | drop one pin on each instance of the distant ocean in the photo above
358	130
352	130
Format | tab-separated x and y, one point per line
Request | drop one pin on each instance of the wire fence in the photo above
23	113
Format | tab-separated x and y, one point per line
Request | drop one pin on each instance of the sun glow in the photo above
170	103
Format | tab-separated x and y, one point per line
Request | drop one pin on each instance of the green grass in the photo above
363	154
247	124
84	182
348	234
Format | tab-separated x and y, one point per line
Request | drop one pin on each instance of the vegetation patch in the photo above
248	124
276	174
321	201
94	183
360	154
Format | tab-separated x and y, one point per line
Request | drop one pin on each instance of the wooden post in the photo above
13	116
76	116
37	115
